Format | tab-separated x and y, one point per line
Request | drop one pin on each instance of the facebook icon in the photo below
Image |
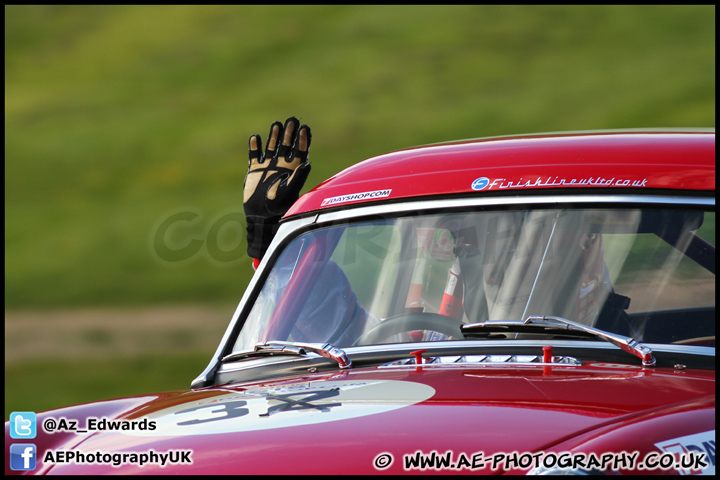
23	456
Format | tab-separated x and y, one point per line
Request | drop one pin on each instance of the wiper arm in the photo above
548	324
293	348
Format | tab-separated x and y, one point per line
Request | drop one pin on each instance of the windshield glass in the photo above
645	273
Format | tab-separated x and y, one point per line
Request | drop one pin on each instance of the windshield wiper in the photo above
293	348
549	324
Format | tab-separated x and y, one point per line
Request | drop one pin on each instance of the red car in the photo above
528	304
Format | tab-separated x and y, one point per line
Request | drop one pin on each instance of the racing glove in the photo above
274	181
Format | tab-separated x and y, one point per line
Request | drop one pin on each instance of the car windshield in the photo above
648	273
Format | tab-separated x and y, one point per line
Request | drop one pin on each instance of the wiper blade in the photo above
550	324
293	348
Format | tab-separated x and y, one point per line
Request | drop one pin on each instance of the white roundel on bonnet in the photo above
284	406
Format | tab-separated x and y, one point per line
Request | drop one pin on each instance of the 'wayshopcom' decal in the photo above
356	196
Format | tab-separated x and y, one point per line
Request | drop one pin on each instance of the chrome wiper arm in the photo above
533	322
293	348
628	344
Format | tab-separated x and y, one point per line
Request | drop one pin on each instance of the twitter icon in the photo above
23	425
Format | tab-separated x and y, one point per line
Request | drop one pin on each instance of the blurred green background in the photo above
117	117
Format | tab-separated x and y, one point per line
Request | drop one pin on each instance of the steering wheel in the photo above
407	322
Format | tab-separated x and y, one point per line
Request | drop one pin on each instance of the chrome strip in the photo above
539	343
429	205
464	345
474	360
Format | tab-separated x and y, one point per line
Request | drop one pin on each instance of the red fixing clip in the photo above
418	356
547	354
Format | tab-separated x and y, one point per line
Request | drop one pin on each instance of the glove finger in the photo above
275	133
254	149
291	129
301	148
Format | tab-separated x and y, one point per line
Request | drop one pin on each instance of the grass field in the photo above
118	117
101	379
63	357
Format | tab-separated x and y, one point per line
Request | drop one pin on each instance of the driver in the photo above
272	185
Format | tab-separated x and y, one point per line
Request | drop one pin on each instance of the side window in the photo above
657	276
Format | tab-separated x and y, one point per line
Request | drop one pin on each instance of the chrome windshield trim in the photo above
465	345
524	342
438	204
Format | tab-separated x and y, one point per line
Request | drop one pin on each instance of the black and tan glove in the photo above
274	181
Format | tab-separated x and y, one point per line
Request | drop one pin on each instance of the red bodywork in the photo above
519	165
482	409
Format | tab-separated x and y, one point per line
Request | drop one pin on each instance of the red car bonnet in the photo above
494	409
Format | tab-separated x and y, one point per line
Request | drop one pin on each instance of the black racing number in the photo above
227	409
288	403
